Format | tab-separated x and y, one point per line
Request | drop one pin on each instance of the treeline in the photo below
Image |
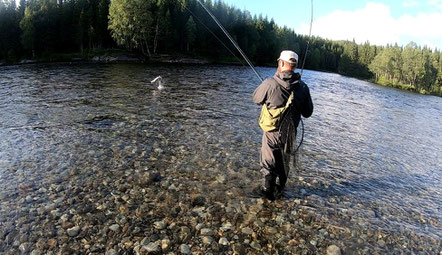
38	28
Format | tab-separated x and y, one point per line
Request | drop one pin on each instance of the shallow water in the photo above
73	136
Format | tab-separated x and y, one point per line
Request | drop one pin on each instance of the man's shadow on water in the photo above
367	189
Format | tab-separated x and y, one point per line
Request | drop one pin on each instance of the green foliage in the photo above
39	28
131	23
416	67
10	31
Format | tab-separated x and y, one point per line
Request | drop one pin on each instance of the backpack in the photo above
270	119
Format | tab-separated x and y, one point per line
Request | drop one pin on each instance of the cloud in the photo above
374	23
436	3
410	3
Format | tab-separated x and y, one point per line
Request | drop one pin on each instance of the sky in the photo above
380	22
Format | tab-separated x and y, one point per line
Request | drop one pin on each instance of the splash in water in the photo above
158	80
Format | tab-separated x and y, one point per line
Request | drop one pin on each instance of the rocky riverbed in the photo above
92	161
151	203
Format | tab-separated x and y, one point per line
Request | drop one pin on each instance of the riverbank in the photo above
406	87
111	56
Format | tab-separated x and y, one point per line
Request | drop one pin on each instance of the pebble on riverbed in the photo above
333	250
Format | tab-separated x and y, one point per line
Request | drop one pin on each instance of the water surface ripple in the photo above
102	137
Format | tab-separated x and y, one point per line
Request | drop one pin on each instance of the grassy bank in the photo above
396	84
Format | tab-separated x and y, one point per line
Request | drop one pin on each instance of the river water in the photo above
94	158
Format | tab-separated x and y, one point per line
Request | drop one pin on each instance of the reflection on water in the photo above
70	135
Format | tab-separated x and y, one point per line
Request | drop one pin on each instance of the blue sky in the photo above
378	21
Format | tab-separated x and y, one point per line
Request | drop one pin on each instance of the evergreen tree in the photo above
190	33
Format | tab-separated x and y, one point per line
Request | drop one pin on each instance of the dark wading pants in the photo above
272	160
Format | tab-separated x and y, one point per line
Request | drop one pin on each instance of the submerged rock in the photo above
159	225
333	250
223	241
73	231
184	249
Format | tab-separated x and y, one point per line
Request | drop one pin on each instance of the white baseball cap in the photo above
289	56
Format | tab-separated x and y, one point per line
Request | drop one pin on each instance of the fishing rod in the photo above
231	39
309	37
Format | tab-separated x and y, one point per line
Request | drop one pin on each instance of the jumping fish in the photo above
158	79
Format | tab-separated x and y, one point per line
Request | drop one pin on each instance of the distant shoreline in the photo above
170	59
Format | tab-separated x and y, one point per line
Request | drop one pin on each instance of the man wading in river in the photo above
283	96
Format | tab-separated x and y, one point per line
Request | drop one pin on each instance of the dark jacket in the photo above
276	90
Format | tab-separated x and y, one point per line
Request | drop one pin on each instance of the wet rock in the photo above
24	247
207	232
239	249
114	227
207	239
73	231
333	250
52	243
199	201
97	248
152	248
34	252
165	244
381	243
185	234
226	226
271	230
184	249
258	223
155	177
255	245
223	241
247	231
111	252
221	178
159	225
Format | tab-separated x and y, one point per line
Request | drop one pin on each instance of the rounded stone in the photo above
114	227
184	249
165	243
152	248
333	250
159	225
207	239
271	230
73	231
35	252
207	232
111	252
24	247
247	231
223	241
255	245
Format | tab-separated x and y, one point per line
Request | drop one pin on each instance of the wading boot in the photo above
261	192
279	192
